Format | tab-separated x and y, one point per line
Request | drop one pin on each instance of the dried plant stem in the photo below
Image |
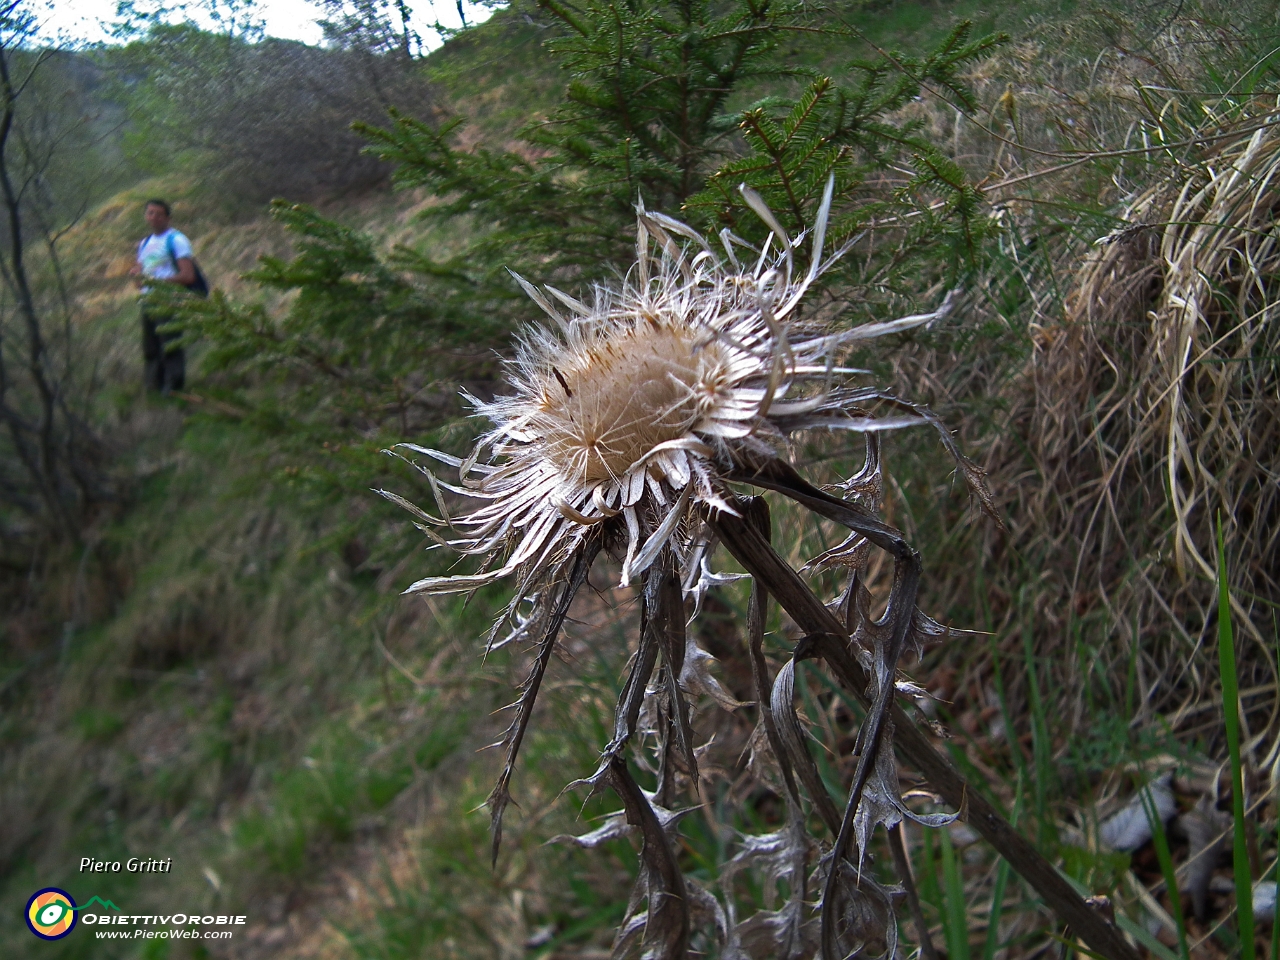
828	638
665	926
668	915
902	607
901	862
790	947
501	795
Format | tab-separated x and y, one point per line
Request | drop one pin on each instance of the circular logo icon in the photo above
51	913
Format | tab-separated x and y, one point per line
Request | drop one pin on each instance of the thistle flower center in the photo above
614	401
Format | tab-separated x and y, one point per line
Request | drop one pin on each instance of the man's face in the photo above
157	219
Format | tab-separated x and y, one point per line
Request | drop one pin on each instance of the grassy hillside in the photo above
224	673
228	676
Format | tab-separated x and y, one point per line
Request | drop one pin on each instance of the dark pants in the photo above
165	366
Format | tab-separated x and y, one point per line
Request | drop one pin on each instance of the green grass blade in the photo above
956	916
928	879
1144	937
1040	744
1166	867
997	894
1015	749
1231	717
997	907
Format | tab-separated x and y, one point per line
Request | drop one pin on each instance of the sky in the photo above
89	21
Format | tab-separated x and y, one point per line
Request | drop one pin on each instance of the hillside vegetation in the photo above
204	650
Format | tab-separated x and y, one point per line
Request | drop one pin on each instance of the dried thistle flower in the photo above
626	424
635	410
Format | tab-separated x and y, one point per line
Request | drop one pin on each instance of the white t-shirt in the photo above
153	254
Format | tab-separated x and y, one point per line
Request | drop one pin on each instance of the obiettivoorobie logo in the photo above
51	913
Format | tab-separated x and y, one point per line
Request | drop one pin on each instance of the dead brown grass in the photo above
1149	409
1135	209
1135	197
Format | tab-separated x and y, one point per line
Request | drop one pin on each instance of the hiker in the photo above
163	255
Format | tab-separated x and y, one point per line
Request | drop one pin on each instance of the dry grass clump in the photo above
1153	409
1134	192
1130	169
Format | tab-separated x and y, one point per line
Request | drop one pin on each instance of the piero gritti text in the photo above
132	865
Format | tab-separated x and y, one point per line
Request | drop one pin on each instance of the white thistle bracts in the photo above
633	409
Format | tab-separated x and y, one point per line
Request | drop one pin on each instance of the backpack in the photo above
199	286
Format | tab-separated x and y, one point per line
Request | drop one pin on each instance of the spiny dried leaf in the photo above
500	797
614	827
696	677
